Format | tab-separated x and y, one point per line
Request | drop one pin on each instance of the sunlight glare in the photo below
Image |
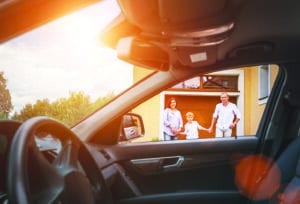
80	31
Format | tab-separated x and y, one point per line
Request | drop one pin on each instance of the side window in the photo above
200	95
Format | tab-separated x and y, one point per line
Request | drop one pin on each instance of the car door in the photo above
190	171
187	171
183	171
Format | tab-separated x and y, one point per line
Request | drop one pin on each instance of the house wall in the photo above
139	73
150	110
253	108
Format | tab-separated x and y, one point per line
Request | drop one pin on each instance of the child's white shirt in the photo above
191	130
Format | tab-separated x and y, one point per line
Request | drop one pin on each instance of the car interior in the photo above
97	159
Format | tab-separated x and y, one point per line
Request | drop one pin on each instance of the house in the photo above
200	95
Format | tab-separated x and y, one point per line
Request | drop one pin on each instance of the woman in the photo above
172	121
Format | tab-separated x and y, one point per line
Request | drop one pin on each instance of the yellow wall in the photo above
274	72
149	109
151	117
139	73
253	110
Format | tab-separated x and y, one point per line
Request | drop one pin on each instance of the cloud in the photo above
64	56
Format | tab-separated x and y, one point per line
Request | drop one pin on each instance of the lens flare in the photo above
257	177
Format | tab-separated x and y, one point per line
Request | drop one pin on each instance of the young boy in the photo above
191	127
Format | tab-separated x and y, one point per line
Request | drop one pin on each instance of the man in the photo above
226	115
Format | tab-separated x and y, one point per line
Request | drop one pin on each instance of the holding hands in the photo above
174	130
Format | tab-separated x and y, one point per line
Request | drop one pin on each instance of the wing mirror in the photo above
132	127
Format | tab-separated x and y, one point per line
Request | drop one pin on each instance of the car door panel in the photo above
209	197
197	170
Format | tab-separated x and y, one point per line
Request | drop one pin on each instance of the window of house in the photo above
209	83
264	83
217	82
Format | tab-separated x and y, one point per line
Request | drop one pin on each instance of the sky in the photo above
63	56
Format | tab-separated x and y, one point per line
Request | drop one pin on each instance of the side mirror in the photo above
132	127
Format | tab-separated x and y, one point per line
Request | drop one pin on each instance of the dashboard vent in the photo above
105	154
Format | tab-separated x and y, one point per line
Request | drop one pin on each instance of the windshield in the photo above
61	69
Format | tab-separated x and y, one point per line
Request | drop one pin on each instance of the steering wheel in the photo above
72	177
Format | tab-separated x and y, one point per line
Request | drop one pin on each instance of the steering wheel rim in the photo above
33	179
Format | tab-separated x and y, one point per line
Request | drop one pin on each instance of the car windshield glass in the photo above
61	69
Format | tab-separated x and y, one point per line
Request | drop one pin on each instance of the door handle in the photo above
171	162
157	164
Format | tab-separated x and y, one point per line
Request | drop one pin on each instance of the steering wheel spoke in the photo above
67	159
46	183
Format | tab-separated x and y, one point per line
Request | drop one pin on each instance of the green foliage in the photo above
102	101
71	110
67	110
5	98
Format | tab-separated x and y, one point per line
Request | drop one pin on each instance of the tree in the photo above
67	110
5	98
41	107
71	110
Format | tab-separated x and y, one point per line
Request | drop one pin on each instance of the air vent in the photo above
105	154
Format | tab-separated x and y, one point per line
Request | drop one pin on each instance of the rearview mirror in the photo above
132	127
